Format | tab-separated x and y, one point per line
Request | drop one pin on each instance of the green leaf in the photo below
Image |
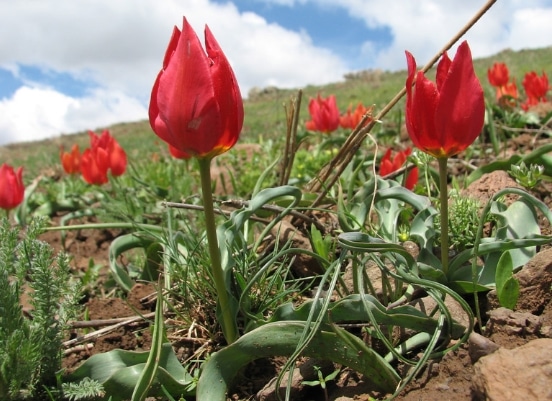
281	338
507	287
149	372
118	371
319	246
131	241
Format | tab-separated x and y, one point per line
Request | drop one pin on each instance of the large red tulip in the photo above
324	114
71	160
12	190
196	105
445	117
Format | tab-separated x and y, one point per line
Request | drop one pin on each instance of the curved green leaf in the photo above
281	338
118	371
353	308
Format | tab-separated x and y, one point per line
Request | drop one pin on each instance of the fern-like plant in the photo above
30	346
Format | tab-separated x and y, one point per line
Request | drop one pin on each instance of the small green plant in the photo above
463	221
30	348
322	380
528	177
86	389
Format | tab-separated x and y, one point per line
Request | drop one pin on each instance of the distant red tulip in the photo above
196	105
498	75
71	160
12	190
445	117
105	154
510	89
94	166
507	94
389	165
535	87
116	154
350	119
324	114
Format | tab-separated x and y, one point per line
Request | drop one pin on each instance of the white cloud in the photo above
423	27
38	113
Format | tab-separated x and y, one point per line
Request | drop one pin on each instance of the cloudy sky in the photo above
68	66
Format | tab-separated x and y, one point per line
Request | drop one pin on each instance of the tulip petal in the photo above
227	93
459	115
185	97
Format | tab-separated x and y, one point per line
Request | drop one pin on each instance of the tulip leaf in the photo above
387	197
281	338
362	308
131	241
118	371
151	367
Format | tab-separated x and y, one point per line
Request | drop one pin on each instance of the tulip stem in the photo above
443	195
228	327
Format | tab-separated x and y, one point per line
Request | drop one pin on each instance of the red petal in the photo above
460	112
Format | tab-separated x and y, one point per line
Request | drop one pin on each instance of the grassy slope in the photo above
265	116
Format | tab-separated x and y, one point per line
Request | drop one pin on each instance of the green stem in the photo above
228	327
443	194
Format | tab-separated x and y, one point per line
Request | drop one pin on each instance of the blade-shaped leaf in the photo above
281	338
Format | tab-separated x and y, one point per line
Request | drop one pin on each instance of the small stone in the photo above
503	320
479	346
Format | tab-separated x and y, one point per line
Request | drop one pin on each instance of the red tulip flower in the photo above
105	154
507	94
390	164
12	190
535	87
498	75
116	154
445	117
71	160
324	115
196	105
94	166
351	119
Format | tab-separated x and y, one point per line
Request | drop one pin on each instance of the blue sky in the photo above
329	26
69	66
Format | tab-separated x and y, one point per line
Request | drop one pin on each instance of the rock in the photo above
479	346
535	281
503	320
523	373
489	184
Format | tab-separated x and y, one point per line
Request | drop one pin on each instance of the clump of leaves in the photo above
526	176
463	221
30	349
86	389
